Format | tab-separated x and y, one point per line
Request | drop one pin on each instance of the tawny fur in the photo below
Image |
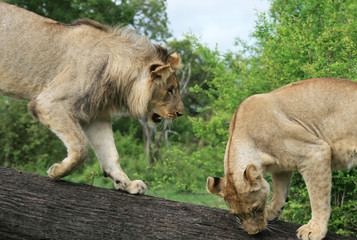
76	75
308	126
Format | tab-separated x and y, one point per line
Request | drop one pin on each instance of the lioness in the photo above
77	75
309	126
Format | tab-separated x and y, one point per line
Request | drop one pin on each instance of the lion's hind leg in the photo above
57	118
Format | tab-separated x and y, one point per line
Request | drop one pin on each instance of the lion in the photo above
76	76
308	126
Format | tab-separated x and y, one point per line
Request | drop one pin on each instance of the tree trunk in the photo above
35	207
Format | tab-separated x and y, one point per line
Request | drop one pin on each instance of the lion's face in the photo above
246	200
166	100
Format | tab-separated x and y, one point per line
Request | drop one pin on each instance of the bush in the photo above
26	142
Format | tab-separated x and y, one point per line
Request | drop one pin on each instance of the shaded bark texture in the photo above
36	207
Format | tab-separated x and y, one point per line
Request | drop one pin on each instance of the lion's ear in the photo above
159	71
252	176
215	186
175	60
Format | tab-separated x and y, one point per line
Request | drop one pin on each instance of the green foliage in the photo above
306	39
186	170
226	89
344	192
25	140
151	18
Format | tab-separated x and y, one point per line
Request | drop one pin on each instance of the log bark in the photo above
35	207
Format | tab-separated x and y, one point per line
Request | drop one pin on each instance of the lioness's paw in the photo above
273	215
311	232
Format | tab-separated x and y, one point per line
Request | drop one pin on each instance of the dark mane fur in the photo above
163	53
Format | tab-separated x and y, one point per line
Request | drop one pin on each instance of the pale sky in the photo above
216	21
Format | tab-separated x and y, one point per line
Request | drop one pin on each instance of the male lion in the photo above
309	126
77	75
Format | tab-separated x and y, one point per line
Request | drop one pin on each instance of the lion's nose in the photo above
180	110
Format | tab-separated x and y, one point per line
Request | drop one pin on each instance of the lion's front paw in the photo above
311	232
137	187
132	187
121	184
54	171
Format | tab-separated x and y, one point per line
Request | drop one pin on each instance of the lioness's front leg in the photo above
100	136
281	188
316	172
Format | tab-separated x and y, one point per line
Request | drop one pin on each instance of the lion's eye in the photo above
170	91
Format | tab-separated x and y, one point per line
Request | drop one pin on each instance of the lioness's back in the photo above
322	108
319	99
318	90
327	109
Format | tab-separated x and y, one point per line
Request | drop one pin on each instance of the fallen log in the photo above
35	207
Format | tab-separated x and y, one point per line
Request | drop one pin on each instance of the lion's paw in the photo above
132	187
121	184
311	232
54	171
137	187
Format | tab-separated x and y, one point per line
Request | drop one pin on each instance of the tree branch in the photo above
36	207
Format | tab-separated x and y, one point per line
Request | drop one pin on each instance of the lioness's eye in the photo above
257	210
254	210
171	90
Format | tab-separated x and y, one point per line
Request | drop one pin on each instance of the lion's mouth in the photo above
156	118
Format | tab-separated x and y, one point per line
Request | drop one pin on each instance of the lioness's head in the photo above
245	195
166	100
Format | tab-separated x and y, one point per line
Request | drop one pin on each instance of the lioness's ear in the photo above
175	61
215	186
252	176
159	71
